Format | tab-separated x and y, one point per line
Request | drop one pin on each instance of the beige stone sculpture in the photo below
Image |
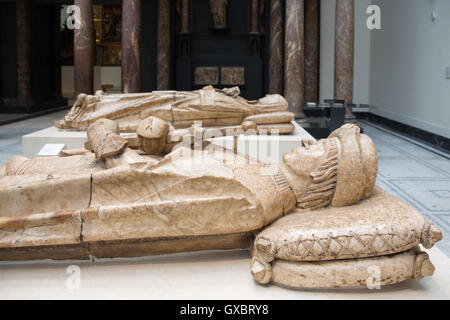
365	272
221	109
118	202
219	13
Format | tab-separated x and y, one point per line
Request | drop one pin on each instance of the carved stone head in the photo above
339	171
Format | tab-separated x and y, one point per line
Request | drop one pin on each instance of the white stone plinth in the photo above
32	143
268	148
198	275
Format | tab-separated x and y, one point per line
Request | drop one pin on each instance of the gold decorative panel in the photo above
206	75
108	34
232	76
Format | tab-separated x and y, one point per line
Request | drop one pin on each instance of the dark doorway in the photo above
223	57
45	59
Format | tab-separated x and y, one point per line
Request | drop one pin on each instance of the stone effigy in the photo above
180	109
318	219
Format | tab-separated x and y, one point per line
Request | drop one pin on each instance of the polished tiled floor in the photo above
415	173
11	134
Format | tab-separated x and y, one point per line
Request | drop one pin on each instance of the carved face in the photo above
306	158
301	162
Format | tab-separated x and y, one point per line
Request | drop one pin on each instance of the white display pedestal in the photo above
198	275
32	143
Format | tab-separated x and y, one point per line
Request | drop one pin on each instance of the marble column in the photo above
343	53
131	44
23	15
163	46
83	56
276	47
185	17
311	51
254	16
294	56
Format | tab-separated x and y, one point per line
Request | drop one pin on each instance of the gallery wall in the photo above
409	56
399	70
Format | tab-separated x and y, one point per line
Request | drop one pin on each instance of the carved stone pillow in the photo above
379	225
369	272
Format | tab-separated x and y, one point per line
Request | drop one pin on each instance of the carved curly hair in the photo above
321	191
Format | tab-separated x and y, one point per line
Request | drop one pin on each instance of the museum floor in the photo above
417	174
